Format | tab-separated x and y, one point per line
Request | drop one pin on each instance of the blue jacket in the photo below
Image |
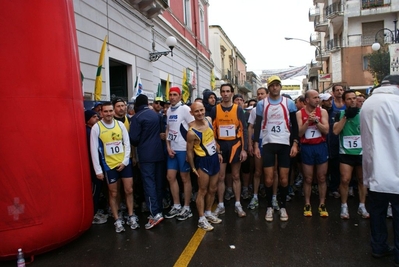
145	129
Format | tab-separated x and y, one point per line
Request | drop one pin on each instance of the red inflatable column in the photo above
45	188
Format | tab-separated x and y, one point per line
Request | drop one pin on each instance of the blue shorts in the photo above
179	162
314	154
113	175
210	164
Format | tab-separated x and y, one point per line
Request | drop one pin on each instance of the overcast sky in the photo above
258	27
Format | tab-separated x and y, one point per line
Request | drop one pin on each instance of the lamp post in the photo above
170	42
394	36
318	49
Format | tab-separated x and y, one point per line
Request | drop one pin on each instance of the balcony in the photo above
226	75
313	13
335	10
333	45
244	86
319	1
315	38
321	25
315	65
149	8
322	55
367	4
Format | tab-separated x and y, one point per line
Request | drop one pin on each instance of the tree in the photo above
379	63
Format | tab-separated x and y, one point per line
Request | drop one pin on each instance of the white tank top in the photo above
275	123
178	120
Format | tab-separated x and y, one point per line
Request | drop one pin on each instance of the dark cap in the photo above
238	96
89	114
390	79
141	100
116	100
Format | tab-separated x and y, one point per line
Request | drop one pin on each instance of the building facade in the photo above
344	33
134	29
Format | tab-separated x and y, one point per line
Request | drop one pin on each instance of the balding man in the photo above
201	142
313	128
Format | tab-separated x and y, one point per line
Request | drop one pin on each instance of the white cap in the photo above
325	96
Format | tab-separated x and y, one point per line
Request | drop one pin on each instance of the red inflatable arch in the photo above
45	194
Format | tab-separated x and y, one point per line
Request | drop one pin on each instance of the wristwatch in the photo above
316	121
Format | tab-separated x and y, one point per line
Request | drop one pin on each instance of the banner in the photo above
98	86
138	87
185	88
167	89
394	59
213	80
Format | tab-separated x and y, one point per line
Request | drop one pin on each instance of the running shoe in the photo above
153	220
228	194
291	191
350	192
184	215
269	214
240	212
323	211
389	211
219	210
335	194
283	215
307	211
99	219
344	212
275	204
245	194
173	213
253	204
262	191
213	219
299	180
132	221
362	211
118	226
205	225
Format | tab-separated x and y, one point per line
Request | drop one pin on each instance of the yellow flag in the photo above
213	82
98	87
375	80
167	89
185	89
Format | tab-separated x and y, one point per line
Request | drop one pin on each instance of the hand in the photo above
220	158
120	167
251	149
162	136
257	152
171	153
294	150
351	112
100	176
243	155
196	172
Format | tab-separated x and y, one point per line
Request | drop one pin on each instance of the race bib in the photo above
113	148
211	147
312	132
352	142
227	130
275	128
172	135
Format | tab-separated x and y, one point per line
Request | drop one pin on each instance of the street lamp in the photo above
394	36
318	49
170	42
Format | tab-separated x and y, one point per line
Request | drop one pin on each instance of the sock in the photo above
274	197
344	205
256	196
238	203
177	206
361	205
187	208
221	204
283	196
269	193
208	212
202	218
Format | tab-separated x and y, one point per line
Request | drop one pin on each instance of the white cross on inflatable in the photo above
16	209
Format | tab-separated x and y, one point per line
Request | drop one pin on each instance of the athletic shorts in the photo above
112	176
314	154
270	151
179	162
209	164
231	150
246	165
352	160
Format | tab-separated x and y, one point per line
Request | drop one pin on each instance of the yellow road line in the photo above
191	248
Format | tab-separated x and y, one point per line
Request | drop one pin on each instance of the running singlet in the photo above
207	144
111	145
227	125
178	120
275	127
312	135
350	142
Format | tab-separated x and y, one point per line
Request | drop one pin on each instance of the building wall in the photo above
130	40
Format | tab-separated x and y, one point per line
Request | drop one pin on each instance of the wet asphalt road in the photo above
301	241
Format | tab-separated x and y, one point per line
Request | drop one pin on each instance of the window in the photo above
187	13
202	24
365	63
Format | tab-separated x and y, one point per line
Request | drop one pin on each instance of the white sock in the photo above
238	203
202	218
208	213
177	206
361	205
187	208
256	196
221	204
344	205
